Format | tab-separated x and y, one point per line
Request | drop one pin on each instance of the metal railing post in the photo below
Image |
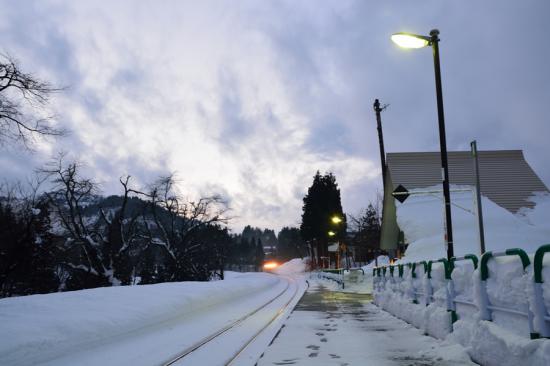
540	308
485	308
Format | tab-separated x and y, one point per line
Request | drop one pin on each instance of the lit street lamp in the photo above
336	220
407	40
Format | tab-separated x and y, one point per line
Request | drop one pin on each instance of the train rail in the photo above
236	353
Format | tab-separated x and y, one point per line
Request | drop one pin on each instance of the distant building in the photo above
505	178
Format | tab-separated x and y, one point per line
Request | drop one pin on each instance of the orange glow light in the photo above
271	265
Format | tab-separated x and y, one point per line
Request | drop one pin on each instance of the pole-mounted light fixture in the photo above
331	233
336	219
409	40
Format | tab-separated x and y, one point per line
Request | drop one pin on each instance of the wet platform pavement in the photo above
335	328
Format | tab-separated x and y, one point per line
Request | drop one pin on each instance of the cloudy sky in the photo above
250	98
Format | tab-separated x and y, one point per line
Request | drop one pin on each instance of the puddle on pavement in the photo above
324	300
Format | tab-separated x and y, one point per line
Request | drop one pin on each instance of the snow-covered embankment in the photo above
505	340
38	328
508	289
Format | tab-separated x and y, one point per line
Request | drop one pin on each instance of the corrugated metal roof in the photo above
506	178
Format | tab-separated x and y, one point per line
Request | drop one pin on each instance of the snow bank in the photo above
55	323
295	265
503	230
383	260
363	284
503	341
491	345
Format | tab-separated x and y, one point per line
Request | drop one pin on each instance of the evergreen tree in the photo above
321	203
290	244
27	250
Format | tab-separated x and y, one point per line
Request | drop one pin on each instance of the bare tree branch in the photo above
19	93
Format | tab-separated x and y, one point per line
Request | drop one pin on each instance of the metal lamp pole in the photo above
408	40
434	40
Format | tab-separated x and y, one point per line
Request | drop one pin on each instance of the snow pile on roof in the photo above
41	327
295	265
421	218
540	215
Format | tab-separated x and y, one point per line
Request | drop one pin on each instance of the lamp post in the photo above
408	40
336	220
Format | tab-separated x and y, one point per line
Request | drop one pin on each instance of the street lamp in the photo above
331	233
336	219
408	40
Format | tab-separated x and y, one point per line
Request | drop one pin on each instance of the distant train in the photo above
270	265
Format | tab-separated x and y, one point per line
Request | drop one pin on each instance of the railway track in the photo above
214	343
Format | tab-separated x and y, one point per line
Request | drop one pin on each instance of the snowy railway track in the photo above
274	308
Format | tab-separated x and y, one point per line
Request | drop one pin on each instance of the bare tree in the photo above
20	93
123	232
68	198
178	223
98	245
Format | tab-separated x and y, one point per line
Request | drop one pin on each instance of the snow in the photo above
339	329
357	280
489	344
68	328
528	229
354	281
463	283
221	349
539	215
293	266
382	260
503	341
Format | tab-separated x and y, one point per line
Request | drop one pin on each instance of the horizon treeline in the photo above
69	237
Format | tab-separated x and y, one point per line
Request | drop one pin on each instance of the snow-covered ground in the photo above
151	324
421	217
330	328
137	325
354	281
503	341
293	266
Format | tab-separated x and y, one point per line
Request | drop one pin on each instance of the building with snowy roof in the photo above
506	180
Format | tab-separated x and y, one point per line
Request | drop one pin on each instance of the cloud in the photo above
251	98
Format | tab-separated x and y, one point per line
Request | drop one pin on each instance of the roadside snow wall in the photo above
495	306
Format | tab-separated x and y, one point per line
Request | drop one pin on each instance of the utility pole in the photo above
378	110
475	157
